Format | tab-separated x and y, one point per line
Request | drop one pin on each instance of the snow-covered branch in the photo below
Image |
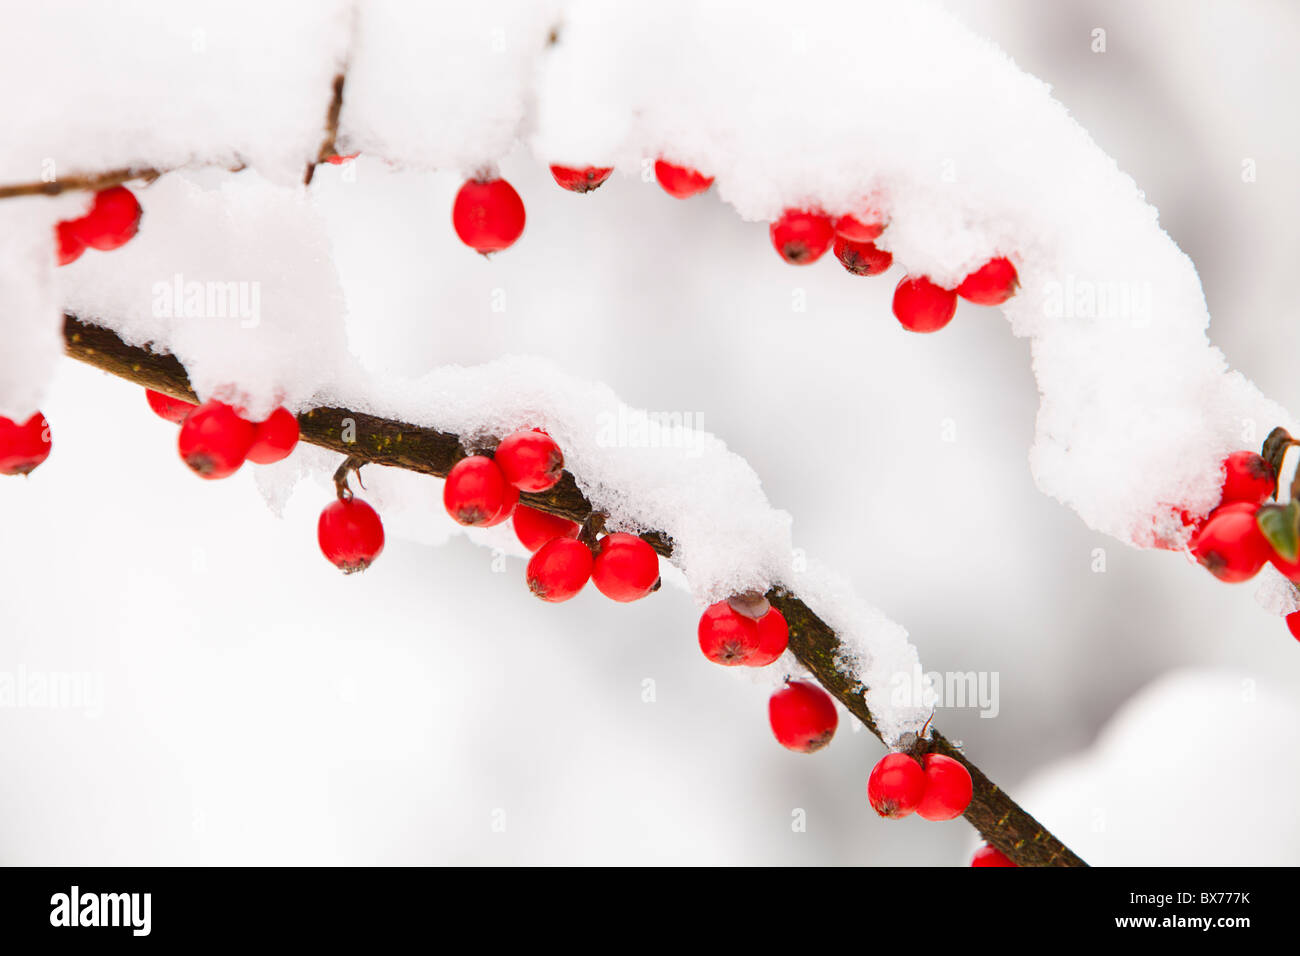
998	818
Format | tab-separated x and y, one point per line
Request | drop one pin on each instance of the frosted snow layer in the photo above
234	276
155	83
965	154
969	158
1153	789
31	340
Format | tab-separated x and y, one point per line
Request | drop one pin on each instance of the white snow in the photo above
442	85
30	318
233	276
152	83
1198	769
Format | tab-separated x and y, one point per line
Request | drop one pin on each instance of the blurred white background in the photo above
259	707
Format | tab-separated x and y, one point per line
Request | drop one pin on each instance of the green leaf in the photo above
1281	526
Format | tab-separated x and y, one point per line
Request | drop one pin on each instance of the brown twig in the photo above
327	148
999	819
91	181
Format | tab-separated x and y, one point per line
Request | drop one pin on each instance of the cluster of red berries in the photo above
746	631
111	221
488	216
1230	542
483	491
215	439
935	787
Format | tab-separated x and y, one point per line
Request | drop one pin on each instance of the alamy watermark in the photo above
950	689
1077	298
633	428
52	690
179	299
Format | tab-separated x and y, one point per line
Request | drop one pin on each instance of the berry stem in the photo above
351	465
999	819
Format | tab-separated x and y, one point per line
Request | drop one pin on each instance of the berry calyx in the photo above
559	569
1230	545
726	637
114	217
991	284
68	246
989	856
350	533
681	181
803	717
275	438
534	528
24	445
475	493
164	406
896	786
922	306
858	230
1247	477
626	568
581	179
947	788
488	215
214	440
530	460
862	258
800	237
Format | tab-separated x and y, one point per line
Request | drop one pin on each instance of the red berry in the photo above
476	492
729	637
581	179
1231	546
274	438
947	788
923	306
507	509
1293	624
862	258
803	717
530	460
681	181
800	237
856	230
1248	477
113	219
68	246
23	446
773	638
534	528
488	215
214	440
559	569
991	284
896	786
164	406
350	534
989	856
337	160
626	567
